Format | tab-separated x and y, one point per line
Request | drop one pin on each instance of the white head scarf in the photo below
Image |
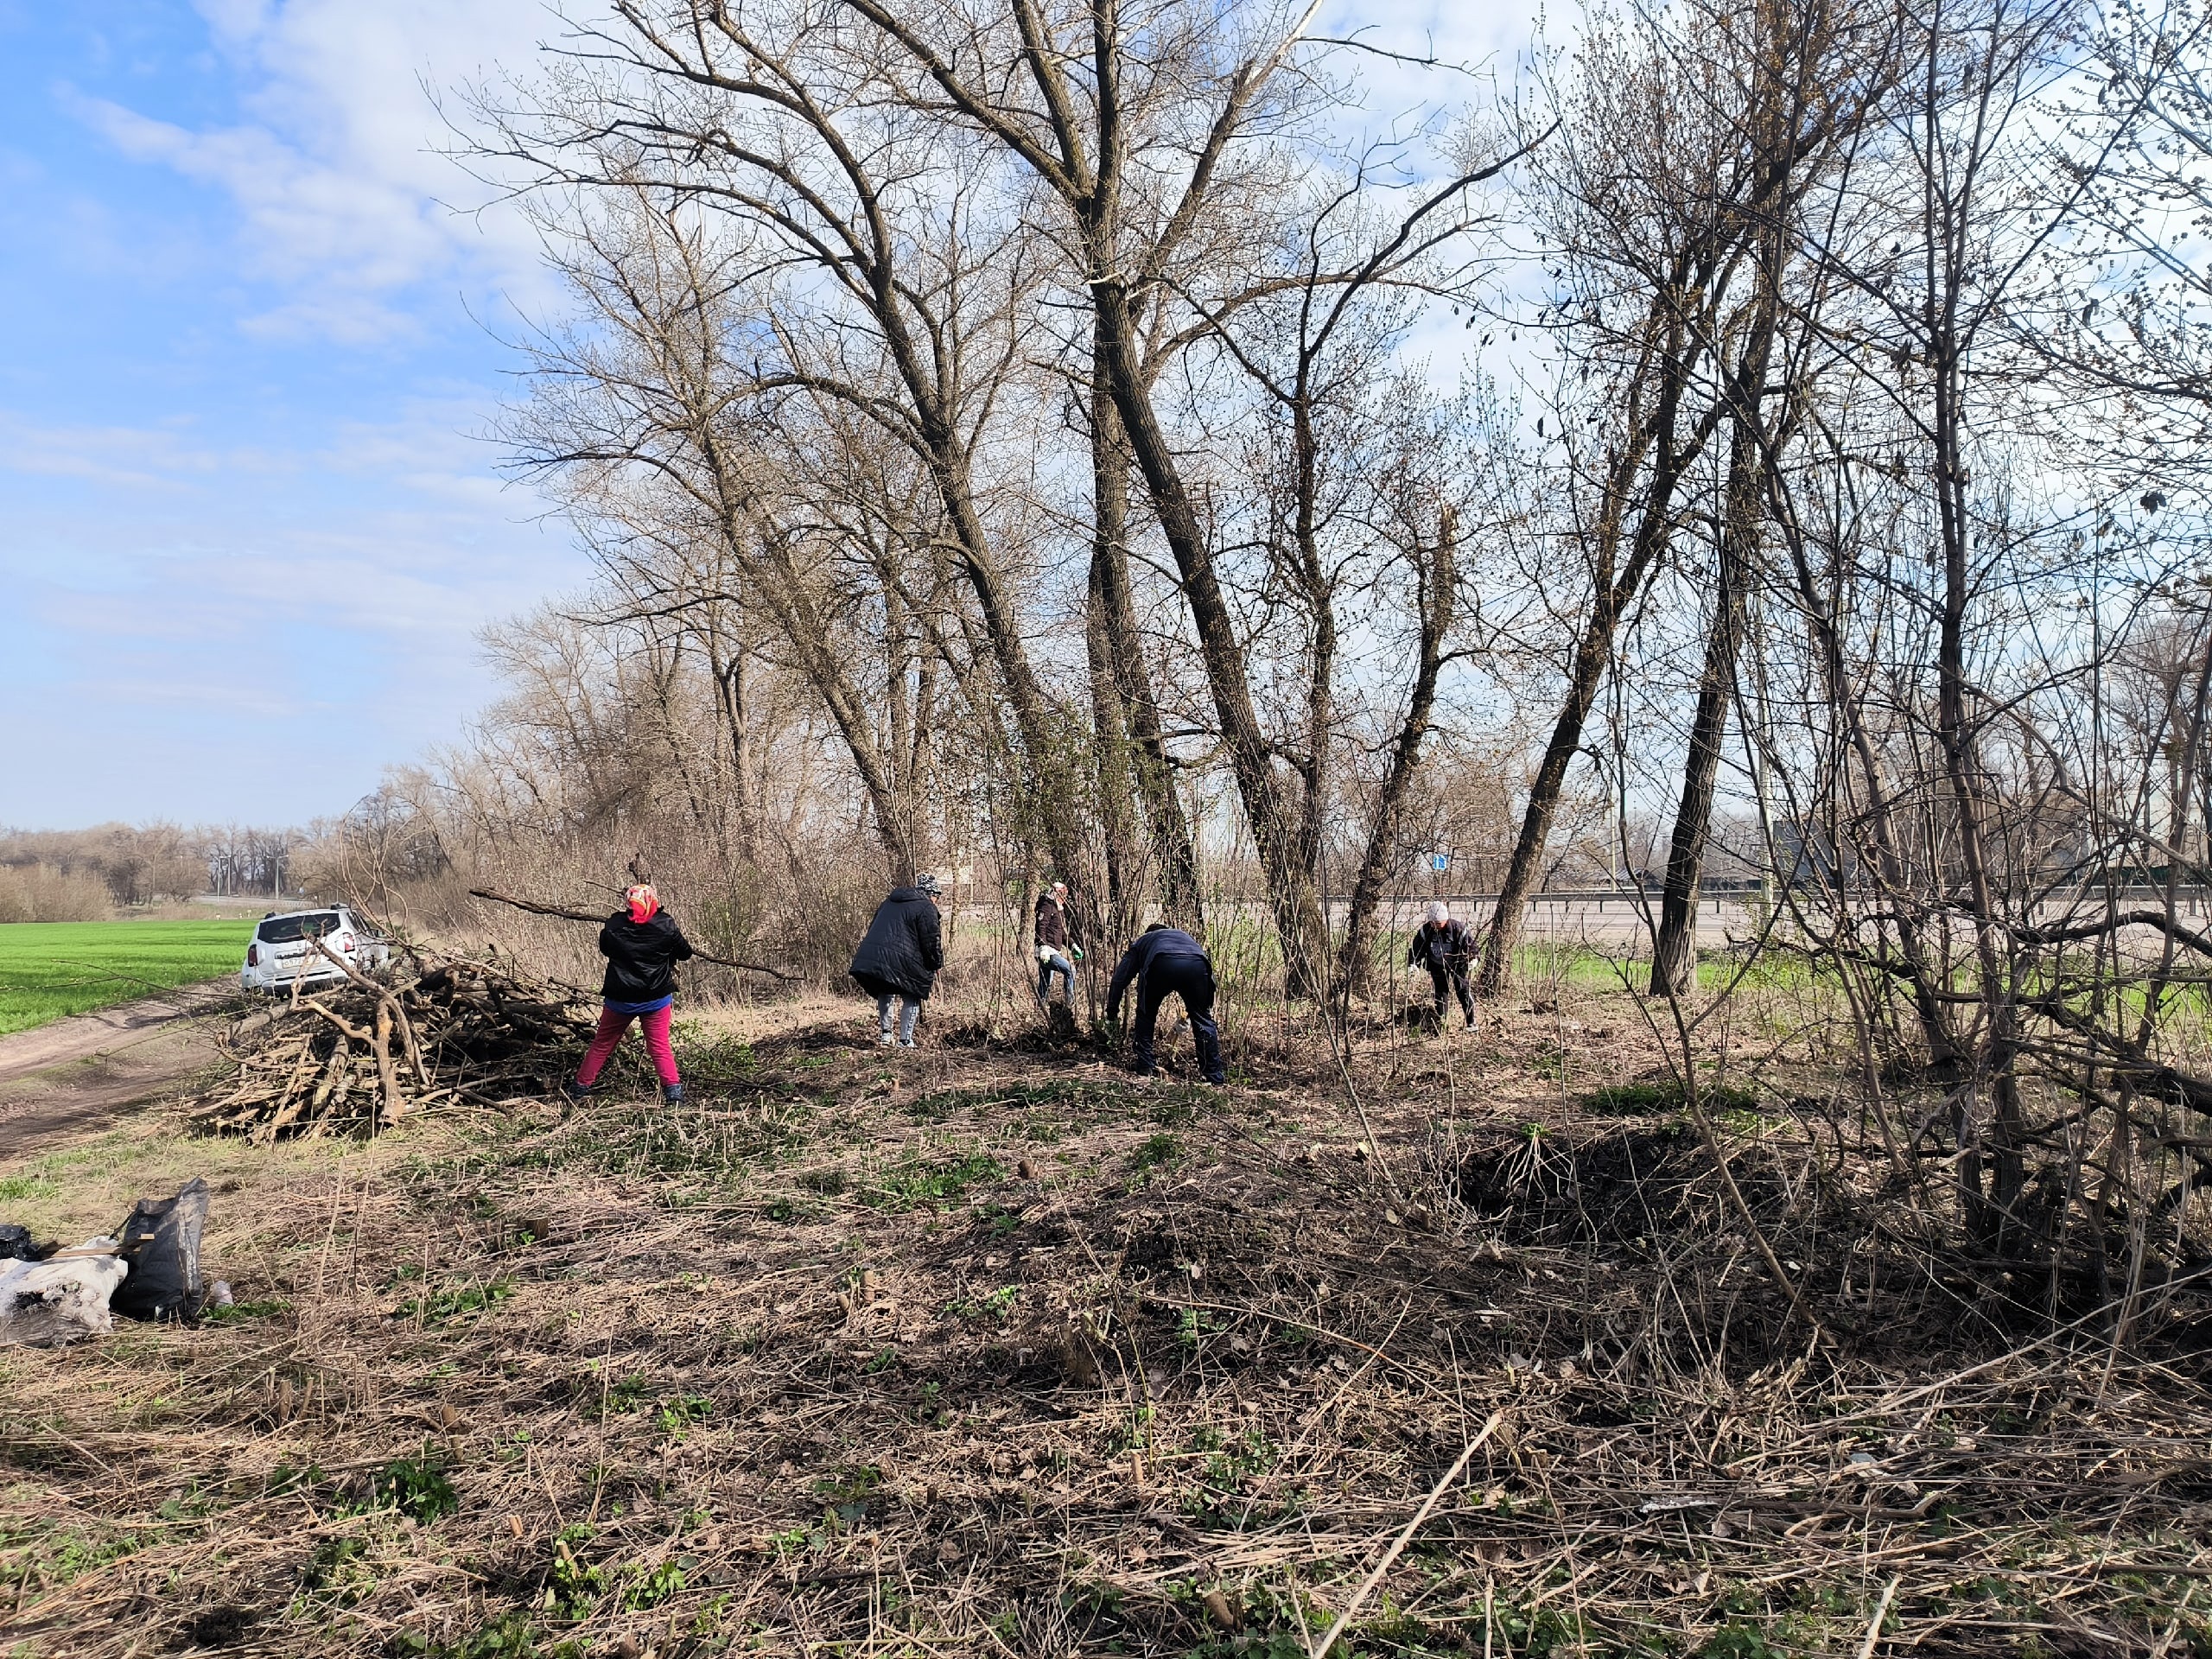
1438	912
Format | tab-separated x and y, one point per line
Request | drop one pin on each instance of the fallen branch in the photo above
386	1000
1329	1640
536	909
387	1074
2180	933
2145	1073
1874	1624
336	1019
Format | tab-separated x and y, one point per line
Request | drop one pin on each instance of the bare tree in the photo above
1146	132
1647	202
875	278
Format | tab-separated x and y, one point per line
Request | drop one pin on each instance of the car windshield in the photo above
286	930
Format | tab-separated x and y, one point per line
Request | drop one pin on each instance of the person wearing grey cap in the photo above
1447	949
900	957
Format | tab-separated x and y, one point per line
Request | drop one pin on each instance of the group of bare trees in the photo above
1030	397
1096	441
1039	437
81	875
1900	543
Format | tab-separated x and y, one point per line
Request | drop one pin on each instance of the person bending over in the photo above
1165	960
642	945
1447	949
900	957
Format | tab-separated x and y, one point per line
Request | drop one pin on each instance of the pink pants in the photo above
611	1028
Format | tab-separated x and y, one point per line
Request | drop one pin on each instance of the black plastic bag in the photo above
159	1239
16	1244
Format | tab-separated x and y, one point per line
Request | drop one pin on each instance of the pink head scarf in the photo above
643	902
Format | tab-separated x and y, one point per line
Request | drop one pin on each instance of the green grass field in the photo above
49	969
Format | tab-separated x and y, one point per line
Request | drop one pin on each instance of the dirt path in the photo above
79	1073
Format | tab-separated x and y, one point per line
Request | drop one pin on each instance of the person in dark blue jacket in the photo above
1165	960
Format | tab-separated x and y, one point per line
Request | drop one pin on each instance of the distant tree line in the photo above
83	874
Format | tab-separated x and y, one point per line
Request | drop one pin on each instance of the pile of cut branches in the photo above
361	1053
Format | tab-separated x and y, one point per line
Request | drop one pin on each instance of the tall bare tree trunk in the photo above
1438	592
1674	957
1314	772
1988	1218
1292	894
1116	784
1142	762
1613	587
1949	201
1050	774
893	823
740	758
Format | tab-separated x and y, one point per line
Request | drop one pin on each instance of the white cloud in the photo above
134	457
306	219
391	533
345	197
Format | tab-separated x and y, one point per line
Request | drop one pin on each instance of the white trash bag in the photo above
62	1300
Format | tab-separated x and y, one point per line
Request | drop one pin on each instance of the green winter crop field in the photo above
49	969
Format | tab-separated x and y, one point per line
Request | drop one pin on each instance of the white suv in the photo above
283	947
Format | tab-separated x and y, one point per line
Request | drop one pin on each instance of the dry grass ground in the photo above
983	1350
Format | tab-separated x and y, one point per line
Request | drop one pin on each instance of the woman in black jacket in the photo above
899	957
642	945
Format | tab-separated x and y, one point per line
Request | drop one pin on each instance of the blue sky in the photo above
249	526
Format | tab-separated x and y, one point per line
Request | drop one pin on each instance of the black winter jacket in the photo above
641	956
904	949
1450	947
